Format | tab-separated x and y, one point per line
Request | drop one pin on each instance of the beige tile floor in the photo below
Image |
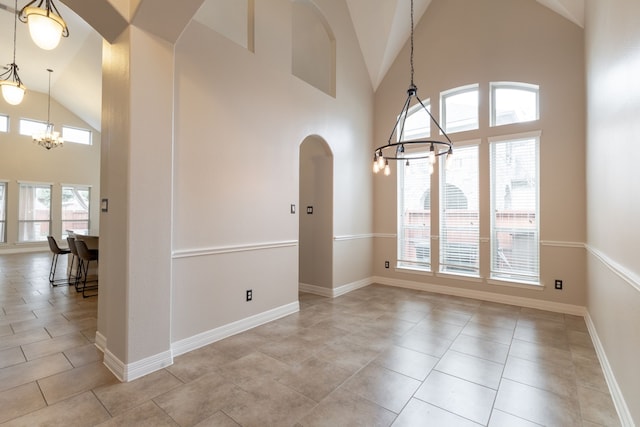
378	356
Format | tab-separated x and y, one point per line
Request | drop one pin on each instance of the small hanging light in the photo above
46	25
396	150
12	88
49	138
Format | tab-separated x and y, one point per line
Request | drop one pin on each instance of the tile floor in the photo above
375	357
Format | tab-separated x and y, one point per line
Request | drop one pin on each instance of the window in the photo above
459	213
460	109
31	127
514	206
34	216
4	123
414	222
79	136
75	209
513	103
417	123
3	212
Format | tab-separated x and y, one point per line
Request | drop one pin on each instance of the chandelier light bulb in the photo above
376	168
381	161
449	160
387	169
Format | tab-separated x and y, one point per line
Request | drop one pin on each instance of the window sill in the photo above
410	270
515	284
465	277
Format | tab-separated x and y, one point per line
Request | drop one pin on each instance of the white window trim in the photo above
513	282
462	144
511	85
456	91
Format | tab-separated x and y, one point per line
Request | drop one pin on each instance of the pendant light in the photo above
12	87
46	25
421	148
49	138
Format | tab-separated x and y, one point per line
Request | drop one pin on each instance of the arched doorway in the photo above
315	255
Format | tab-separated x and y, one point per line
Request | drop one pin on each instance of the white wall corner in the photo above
129	372
101	341
614	389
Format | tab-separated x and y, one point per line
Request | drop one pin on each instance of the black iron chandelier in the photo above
415	148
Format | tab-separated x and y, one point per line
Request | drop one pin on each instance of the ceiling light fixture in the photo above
49	138
46	25
12	87
415	148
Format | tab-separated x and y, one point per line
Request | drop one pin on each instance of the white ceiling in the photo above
382	28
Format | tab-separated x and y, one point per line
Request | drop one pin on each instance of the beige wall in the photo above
23	160
613	151
240	118
461	42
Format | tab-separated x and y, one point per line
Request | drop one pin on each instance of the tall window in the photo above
459	108
75	209
459	213
513	103
4	123
34	216
3	212
515	230
414	208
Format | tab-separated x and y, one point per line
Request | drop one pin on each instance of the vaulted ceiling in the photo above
382	28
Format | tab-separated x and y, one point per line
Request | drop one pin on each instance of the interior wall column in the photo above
135	231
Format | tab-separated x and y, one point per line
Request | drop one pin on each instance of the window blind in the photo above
459	213
414	209
514	200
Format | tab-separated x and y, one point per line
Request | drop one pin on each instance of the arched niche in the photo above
313	47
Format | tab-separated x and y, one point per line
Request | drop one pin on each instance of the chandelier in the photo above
406	150
46	25
49	138
12	87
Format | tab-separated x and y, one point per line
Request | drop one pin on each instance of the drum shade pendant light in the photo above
49	138
46	25
415	148
12	87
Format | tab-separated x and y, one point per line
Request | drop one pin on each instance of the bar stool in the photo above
55	249
74	275
86	256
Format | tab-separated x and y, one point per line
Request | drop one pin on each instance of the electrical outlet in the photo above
558	284
386	264
249	294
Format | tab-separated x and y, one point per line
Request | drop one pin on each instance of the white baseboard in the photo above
316	290
213	335
18	249
101	341
614	389
129	372
484	296
334	292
